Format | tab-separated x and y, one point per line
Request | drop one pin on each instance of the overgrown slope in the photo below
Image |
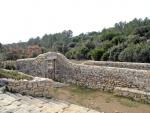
126	41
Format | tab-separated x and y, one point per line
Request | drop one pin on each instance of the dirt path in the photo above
100	101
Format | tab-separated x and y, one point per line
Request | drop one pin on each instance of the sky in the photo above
24	19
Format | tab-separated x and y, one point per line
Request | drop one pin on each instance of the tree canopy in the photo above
125	41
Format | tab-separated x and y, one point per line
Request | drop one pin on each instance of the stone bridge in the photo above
133	83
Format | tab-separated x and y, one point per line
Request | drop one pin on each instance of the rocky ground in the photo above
16	103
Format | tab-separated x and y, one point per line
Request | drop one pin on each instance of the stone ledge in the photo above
134	94
130	65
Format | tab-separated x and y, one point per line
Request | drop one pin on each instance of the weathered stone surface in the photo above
36	87
16	103
132	93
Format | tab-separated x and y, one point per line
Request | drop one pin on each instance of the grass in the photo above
128	102
81	91
122	100
97	99
14	75
108	99
86	93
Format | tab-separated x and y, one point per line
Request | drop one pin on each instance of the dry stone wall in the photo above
95	77
38	66
104	78
134	94
36	87
130	65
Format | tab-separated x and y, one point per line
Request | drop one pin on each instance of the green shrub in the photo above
118	39
142	31
108	34
136	53
106	45
135	39
70	54
113	53
96	54
10	65
127	54
105	56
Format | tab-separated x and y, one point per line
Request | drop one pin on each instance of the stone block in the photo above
41	84
46	94
38	93
29	85
34	85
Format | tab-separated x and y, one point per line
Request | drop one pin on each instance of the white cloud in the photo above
22	19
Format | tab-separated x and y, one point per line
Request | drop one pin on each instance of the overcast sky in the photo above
23	19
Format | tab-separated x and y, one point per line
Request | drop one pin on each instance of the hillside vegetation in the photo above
126	41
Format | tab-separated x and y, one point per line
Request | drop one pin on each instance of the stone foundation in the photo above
37	87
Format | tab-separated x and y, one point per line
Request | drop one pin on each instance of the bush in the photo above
90	45
118	39
78	53
135	39
105	56
105	45
71	45
127	54
10	65
70	54
136	53
113	52
96	54
142	31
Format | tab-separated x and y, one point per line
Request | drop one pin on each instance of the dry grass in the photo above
14	75
99	100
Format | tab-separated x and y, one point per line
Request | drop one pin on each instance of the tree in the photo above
126	41
120	26
142	31
108	34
